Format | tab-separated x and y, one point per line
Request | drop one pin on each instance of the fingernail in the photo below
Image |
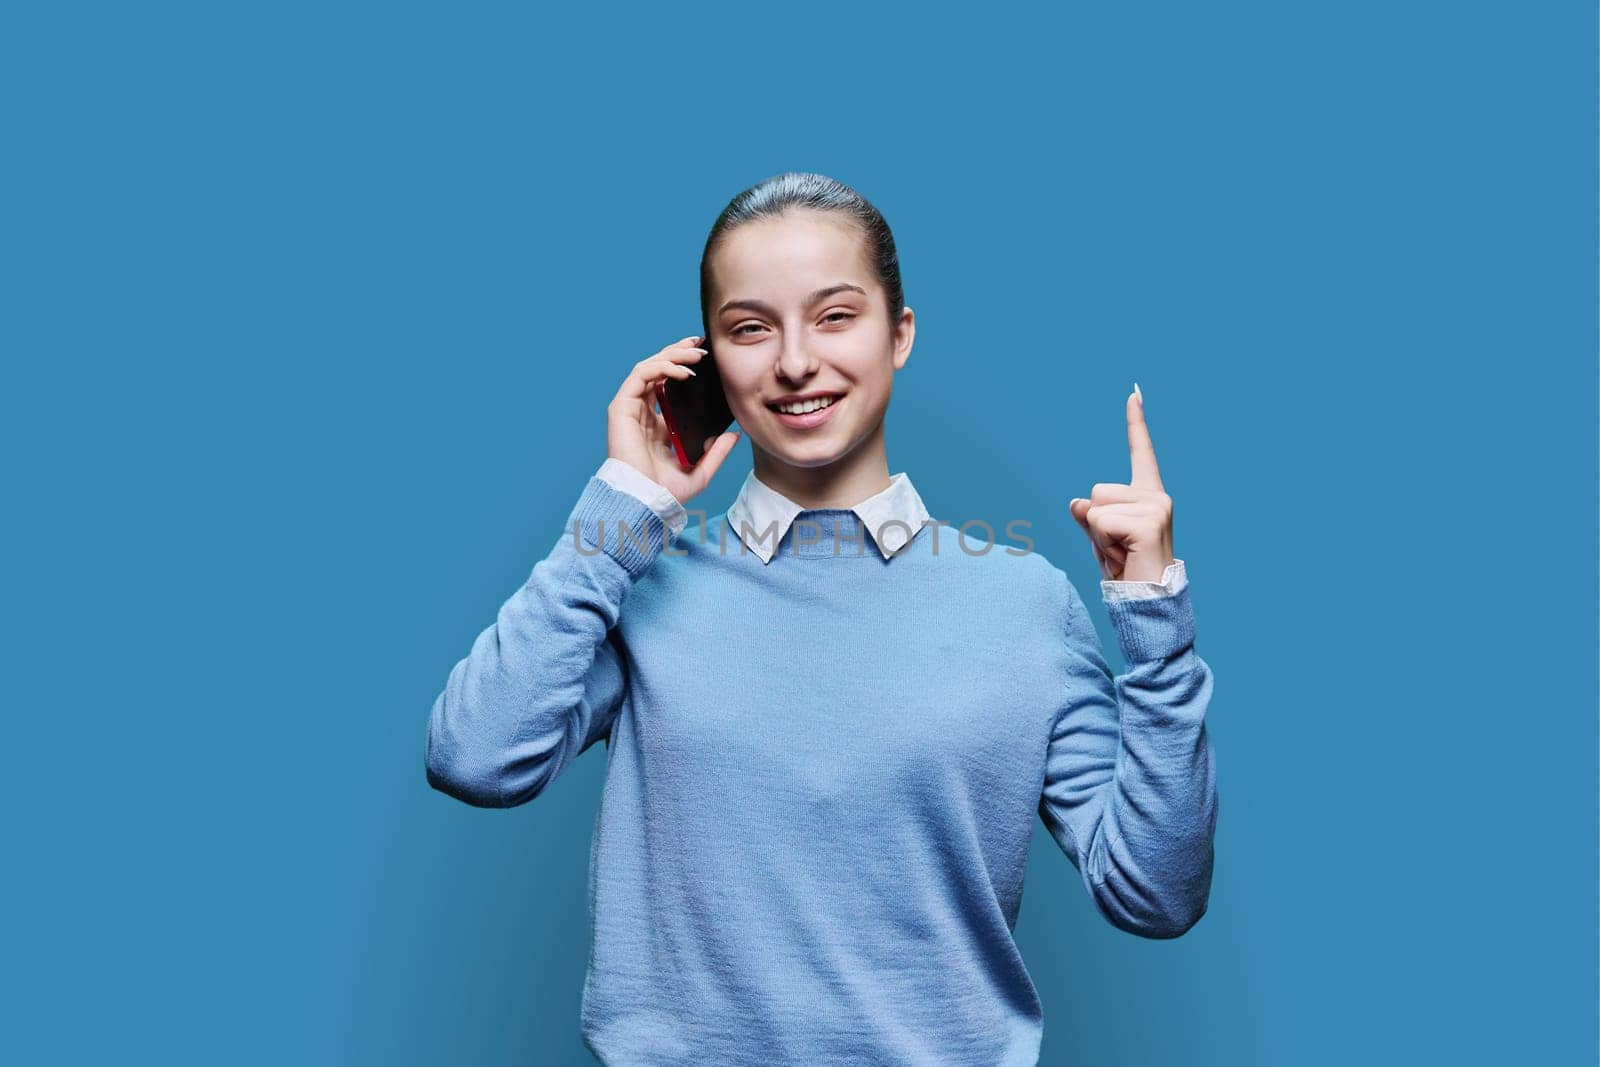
690	370
1138	394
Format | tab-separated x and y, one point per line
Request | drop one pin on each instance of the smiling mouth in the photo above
806	407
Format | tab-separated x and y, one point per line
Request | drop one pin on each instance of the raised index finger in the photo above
1141	450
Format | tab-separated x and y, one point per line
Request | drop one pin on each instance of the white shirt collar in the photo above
759	506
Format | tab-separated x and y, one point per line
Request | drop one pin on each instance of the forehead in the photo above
789	256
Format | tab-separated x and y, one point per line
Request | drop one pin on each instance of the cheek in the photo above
870	371
740	388
737	377
743	396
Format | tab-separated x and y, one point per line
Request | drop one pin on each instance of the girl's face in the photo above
796	310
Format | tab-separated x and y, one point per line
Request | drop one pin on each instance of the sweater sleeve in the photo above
624	476
1130	777
545	680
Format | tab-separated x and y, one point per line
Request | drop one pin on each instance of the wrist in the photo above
1139	570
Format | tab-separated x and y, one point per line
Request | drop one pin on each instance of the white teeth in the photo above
805	406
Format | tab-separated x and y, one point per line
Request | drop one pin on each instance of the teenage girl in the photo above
830	722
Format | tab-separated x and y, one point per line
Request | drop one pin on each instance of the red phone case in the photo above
672	427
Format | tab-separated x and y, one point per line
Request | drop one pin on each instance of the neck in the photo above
844	483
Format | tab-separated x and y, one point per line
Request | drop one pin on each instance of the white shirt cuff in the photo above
1173	579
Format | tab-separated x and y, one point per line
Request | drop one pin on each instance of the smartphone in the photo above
695	408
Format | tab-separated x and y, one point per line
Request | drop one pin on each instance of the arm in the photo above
1130	777
545	681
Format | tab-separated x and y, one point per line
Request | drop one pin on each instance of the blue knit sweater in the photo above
822	775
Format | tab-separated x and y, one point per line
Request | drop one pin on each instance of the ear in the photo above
905	332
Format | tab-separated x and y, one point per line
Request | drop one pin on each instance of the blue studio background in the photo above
311	313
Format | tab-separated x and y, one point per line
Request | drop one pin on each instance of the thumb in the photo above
1079	507
716	450
1080	511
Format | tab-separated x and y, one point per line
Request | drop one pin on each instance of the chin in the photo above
815	453
812	462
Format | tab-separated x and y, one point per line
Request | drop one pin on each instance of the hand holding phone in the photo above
681	446
694	408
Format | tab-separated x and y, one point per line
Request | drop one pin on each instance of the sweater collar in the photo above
761	516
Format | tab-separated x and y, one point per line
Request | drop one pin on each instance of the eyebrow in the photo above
820	294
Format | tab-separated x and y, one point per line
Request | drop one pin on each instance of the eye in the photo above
834	314
737	330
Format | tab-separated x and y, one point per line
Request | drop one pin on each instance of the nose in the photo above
795	363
